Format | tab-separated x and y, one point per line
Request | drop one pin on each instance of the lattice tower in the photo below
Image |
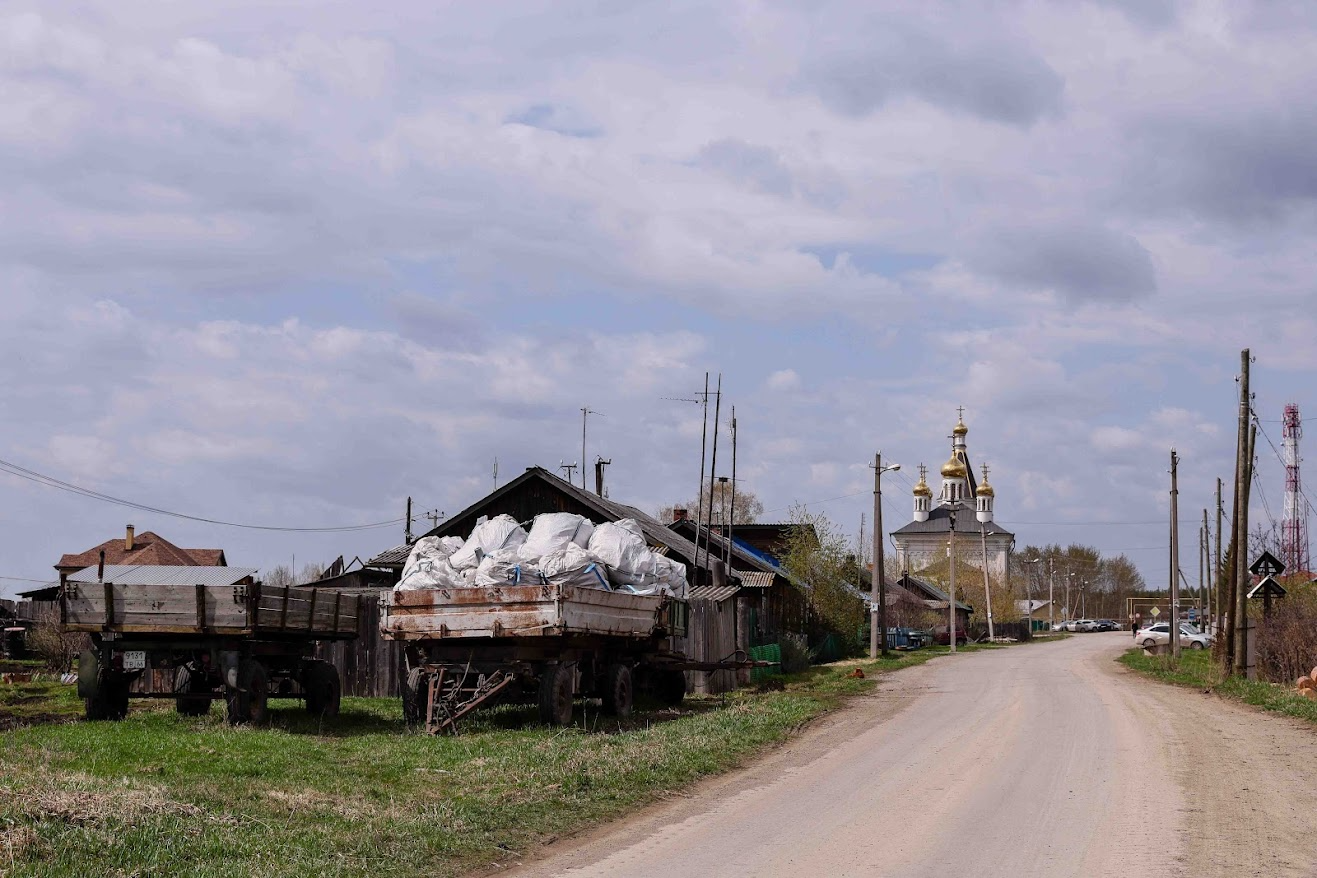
1294	521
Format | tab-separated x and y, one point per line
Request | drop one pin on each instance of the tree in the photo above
818	556
718	506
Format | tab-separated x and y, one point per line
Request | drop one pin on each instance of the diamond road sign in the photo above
1267	564
1154	612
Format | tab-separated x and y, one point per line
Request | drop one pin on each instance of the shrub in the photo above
1287	639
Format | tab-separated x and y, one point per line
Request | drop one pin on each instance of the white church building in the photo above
962	499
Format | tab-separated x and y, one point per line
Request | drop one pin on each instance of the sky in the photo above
286	263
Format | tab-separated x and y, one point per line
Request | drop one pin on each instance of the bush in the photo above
1287	639
795	653
58	649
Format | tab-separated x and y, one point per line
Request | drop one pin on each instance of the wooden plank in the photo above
201	606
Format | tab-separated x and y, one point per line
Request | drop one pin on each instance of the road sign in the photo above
1268	587
1154	612
1267	564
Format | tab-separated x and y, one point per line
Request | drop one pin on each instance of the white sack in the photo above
573	565
620	545
555	530
500	532
505	567
428	565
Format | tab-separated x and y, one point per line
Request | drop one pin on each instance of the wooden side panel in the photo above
309	610
153	607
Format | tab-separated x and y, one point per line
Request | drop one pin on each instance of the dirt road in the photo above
1041	760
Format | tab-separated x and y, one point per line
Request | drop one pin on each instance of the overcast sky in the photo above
288	263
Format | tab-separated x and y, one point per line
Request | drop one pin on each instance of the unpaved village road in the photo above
1040	760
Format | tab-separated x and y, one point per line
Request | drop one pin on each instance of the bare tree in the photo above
748	506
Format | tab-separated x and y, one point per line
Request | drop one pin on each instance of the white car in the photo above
1190	637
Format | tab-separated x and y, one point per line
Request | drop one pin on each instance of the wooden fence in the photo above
370	666
711	637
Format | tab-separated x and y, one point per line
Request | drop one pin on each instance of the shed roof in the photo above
929	591
158	574
148	548
756	579
715	593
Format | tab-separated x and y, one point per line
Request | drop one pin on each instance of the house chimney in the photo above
599	465
680	514
128	540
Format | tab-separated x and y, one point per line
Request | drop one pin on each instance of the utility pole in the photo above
878	583
407	532
713	463
1205	571
987	591
732	517
1217	581
1241	596
1238	537
951	598
586	411
699	503
1051	583
1175	556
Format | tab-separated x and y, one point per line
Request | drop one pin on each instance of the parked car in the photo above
1160	633
1079	625
940	635
1106	625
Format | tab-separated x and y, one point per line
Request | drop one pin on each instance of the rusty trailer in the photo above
468	648
199	634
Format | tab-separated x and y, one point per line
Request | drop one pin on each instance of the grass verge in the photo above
1196	668
361	795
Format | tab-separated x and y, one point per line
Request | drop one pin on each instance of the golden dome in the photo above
985	490
954	469
960	429
922	489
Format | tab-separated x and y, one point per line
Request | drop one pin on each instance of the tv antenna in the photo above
569	470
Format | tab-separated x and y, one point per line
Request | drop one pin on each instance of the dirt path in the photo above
1046	760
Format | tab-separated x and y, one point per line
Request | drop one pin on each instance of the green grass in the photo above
361	795
45	700
1197	669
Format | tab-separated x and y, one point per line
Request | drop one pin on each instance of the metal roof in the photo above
930	591
389	557
715	593
939	522
756	579
151	574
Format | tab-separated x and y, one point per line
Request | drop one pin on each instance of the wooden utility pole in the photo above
987	591
1175	557
951	598
878	593
1217	581
1241	559
1236	541
1205	577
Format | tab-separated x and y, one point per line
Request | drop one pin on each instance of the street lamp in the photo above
879	582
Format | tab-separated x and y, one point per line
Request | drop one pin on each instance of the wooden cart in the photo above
196	634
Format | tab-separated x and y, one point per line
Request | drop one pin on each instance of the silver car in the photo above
1190	637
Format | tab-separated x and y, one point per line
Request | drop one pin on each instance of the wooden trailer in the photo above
196	634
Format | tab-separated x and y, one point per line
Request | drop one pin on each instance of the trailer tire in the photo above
323	689
670	687
187	681
619	692
556	695
247	704
413	701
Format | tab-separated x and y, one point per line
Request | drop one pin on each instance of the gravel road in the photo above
1039	760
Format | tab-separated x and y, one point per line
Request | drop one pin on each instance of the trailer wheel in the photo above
247	703
619	694
187	681
323	689
413	701
670	687
556	695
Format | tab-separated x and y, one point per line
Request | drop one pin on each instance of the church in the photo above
962	499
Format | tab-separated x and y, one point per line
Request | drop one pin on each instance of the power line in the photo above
52	482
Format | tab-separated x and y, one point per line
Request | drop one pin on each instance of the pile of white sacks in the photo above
561	548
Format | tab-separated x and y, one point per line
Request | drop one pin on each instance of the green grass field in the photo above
361	795
1196	668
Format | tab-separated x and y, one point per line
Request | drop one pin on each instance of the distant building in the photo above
925	539
146	549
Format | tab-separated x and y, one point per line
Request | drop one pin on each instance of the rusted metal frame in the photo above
436	680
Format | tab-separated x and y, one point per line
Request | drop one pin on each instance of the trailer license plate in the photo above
134	659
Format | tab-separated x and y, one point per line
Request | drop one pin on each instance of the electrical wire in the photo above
52	482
